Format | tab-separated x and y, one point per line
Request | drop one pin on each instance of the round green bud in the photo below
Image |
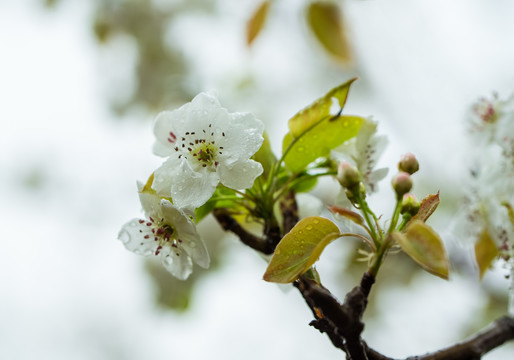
410	205
408	163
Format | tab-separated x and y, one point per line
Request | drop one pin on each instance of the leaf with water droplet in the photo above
319	140
319	110
425	247
485	252
314	233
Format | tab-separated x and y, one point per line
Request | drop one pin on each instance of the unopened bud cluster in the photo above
402	182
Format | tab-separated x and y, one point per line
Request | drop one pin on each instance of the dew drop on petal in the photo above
309	227
316	221
124	236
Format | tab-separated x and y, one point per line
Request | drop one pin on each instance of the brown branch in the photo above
228	223
496	334
289	209
342	323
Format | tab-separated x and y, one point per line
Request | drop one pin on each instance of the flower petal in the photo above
138	238
163	176
239	175
186	231
191	188
177	262
151	204
242	138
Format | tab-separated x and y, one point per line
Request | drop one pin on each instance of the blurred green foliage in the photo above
161	71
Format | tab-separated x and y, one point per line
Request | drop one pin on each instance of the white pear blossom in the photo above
204	145
363	152
167	232
489	201
492	124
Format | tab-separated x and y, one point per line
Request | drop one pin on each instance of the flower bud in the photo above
408	163
410	205
402	183
347	175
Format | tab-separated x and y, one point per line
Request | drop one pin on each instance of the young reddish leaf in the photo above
485	252
427	207
320	140
326	23
300	249
256	22
350	215
425	247
318	110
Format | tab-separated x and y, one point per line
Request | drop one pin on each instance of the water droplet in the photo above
309	227
192	244
345	124
124	236
301	149
316	221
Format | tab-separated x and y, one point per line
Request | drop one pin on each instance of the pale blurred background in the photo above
80	83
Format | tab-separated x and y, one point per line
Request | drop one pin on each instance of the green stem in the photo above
405	220
366	212
396	216
295	177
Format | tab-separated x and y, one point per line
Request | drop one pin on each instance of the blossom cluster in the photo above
491	197
488	205
203	145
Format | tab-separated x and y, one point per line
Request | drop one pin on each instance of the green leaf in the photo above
304	184
326	23
256	22
425	247
300	249
318	110
485	252
217	201
265	156
426	209
319	140
204	210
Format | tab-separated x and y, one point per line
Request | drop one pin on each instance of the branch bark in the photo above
342	323
496	334
228	223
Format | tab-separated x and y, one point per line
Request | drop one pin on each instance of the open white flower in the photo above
167	232
205	145
363	151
